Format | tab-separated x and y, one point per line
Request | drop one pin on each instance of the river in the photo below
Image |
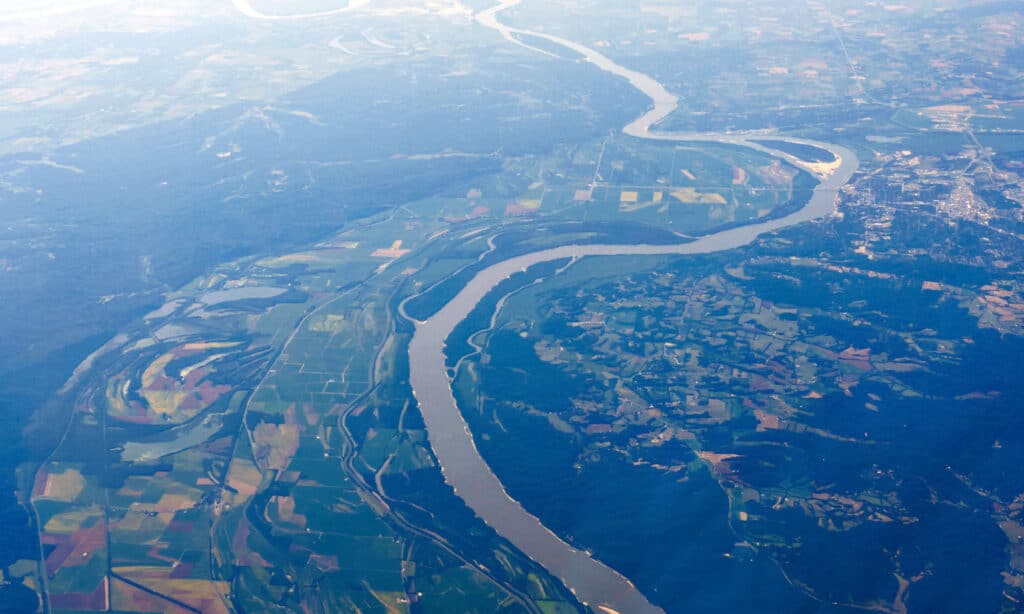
593	582
246	8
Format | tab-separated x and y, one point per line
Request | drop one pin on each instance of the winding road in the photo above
593	582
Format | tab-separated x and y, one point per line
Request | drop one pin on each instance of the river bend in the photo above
593	582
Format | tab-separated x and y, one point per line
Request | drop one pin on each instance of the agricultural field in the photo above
685	188
238	448
791	399
252	443
210	291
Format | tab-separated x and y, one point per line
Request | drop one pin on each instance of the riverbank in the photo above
464	469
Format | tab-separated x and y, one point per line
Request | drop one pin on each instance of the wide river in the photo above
593	582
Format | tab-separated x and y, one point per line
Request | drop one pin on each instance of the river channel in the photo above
593	582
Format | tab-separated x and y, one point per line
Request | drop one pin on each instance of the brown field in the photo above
695	37
96	601
515	209
64	486
127	598
286	512
170	397
187	394
325	563
395	251
74	549
719	462
241	552
203	595
394	603
274	445
202	346
858	358
766	421
245	478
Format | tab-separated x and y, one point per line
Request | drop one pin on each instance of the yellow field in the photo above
691	196
65	486
155	369
115	401
164	402
305	257
290	259
69	522
245	478
686	195
530	204
167	402
286	512
630	202
330	323
139	521
392	602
